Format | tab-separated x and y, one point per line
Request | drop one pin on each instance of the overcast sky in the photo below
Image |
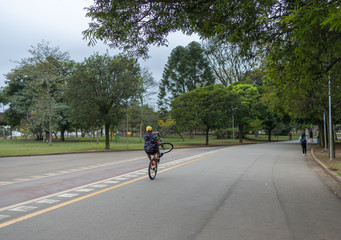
25	23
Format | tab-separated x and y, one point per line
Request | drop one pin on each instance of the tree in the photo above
3	99
245	110
227	62
100	87
301	65
137	24
36	87
146	90
166	127
187	68
205	108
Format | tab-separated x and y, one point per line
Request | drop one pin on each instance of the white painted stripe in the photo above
48	201
21	179
130	175
4	216
120	178
84	190
67	195
99	185
23	208
50	174
4	183
111	182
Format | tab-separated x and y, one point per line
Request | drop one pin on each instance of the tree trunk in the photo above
207	131
181	137
240	129
107	142
191	134
269	135
62	134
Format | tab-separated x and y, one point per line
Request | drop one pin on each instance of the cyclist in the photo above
151	145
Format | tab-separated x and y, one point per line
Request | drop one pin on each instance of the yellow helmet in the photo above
149	129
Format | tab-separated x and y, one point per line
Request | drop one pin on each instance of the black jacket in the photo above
150	142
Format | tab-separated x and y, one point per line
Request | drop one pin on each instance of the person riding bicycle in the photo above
151	145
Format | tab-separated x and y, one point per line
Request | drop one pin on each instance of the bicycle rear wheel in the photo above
166	148
152	169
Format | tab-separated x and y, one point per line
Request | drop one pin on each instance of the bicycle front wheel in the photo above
152	169
166	147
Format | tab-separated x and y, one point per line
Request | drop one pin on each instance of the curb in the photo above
335	176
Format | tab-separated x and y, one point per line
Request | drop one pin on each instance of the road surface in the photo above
263	191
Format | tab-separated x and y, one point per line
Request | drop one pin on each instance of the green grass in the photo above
28	147
323	156
273	138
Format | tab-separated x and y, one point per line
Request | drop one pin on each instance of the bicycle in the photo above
154	162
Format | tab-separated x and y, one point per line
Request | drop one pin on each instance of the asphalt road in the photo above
264	191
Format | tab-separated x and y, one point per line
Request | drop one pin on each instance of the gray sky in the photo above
25	23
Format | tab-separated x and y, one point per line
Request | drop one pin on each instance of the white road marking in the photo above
48	201
4	216
21	179
120	178
130	176
23	208
5	183
99	185
84	190
68	195
111	182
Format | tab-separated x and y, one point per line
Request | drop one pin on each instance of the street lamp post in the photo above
325	131
233	123
330	124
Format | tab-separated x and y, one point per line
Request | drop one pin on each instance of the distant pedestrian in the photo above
303	141
311	136
290	135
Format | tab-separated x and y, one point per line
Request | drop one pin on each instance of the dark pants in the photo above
304	148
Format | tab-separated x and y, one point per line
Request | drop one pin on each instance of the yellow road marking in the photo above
5	224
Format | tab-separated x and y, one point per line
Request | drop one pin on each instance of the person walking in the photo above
311	136
303	141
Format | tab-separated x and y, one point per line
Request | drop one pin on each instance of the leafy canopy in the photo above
187	68
100	87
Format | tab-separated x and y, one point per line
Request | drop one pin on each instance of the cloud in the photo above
61	22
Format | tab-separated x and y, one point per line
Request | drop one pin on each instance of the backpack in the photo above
304	140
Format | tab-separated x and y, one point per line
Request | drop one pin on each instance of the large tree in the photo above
35	91
100	87
245	110
227	62
137	24
187	68
206	108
